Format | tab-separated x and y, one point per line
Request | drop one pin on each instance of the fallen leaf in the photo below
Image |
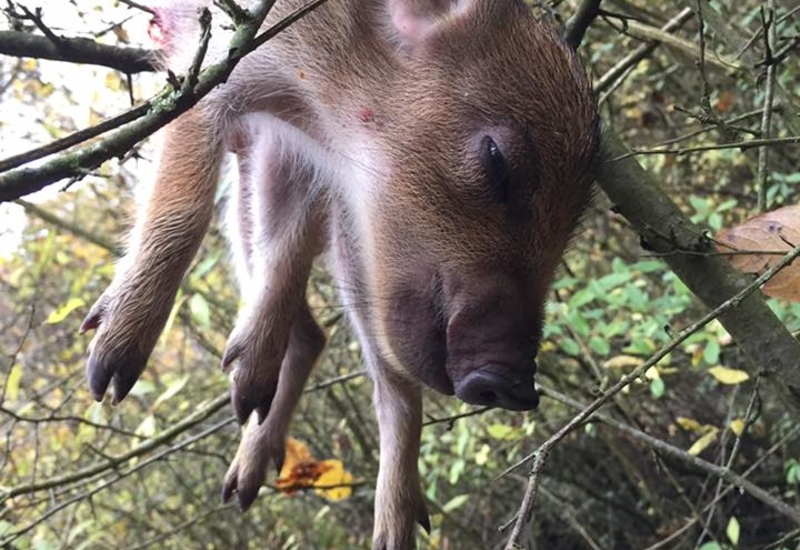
302	471
335	483
623	362
725	375
702	444
737	426
688	424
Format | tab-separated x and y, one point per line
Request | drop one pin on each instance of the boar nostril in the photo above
498	386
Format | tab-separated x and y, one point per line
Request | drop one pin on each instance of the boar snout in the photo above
499	386
492	339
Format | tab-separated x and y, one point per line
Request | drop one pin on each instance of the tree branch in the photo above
165	107
761	335
580	21
540	455
76	50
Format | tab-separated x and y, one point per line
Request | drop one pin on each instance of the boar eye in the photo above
496	169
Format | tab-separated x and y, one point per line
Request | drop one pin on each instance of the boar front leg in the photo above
132	312
267	442
279	235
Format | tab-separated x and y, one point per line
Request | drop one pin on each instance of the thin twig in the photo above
541	454
640	53
770	38
743	145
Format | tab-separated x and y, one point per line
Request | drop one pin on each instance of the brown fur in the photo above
371	143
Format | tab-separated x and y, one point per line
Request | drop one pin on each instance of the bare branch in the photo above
578	24
167	106
76	50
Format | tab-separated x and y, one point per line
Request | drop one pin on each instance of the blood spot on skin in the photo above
366	115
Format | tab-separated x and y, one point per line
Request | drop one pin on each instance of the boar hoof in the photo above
255	370
117	352
246	474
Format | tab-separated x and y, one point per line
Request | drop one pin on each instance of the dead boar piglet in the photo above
439	152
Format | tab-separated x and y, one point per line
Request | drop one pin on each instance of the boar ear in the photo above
413	20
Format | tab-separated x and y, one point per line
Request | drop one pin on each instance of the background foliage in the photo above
76	474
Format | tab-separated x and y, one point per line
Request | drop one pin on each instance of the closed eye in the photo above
497	169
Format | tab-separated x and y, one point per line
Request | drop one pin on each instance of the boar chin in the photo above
417	333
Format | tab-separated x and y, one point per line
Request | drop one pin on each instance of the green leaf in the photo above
12	382
142	387
200	310
456	470
648	266
711	546
711	352
570	346
148	427
499	431
657	387
614	280
64	310
204	267
482	456
599	345
171	390
455	502
581	298
733	530
578	323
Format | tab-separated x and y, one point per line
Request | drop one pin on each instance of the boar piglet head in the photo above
488	135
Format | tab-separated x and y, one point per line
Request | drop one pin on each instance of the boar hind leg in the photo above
265	443
278	238
399	503
132	312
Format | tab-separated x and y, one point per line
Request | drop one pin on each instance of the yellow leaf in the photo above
300	471
725	375
335	482
12	382
64	310
688	424
702	444
623	362
737	426
113	81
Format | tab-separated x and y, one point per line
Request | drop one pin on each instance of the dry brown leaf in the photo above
776	231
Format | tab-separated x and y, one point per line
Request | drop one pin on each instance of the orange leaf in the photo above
302	471
302	476
775	231
725	102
